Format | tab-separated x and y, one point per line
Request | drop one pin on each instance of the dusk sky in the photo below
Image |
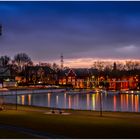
82	31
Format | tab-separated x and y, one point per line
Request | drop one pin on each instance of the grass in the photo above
7	134
79	124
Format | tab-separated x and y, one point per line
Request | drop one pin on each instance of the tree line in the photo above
20	60
125	65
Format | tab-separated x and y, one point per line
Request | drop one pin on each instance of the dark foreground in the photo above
31	122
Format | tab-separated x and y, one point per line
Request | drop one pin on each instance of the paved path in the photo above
31	132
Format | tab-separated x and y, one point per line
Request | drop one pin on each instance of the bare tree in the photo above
98	65
102	65
22	60
132	65
55	67
4	60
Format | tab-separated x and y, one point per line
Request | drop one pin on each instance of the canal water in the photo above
110	102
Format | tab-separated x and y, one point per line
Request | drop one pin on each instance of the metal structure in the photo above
61	60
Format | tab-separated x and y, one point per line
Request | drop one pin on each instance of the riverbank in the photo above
77	124
24	91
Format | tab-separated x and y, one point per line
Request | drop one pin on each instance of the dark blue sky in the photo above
92	29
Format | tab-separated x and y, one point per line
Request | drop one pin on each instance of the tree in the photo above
22	60
98	65
55	67
4	60
132	65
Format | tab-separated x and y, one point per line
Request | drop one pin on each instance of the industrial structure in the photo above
62	61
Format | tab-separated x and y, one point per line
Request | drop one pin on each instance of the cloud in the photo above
130	50
127	49
76	29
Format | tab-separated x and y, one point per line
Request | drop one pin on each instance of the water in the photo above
110	102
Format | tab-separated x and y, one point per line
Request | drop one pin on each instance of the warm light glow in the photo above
88	99
29	99
69	101
49	99
127	101
93	101
115	102
121	101
136	103
132	100
22	99
65	99
88	62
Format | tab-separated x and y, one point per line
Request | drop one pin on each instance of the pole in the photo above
16	98
101	104
0	29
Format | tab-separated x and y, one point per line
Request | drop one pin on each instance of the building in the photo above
40	75
77	78
6	77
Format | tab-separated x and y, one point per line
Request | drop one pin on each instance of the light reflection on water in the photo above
22	99
29	99
49	99
93	101
110	102
88	101
69	101
115	102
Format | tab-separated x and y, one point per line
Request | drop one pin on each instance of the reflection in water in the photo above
88	98
57	101
127	101
115	102
93	101
18	99
1	100
136	103
69	102
49	99
29	99
77	97
132	101
120	102
97	99
65	99
22	99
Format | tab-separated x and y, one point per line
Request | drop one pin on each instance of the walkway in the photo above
37	134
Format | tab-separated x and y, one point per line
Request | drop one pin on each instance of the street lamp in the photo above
100	93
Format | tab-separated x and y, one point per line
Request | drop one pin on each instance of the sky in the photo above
82	31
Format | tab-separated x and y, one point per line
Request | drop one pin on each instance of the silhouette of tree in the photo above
22	60
4	60
132	65
55	67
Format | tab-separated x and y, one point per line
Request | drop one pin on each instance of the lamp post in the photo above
101	86
16	98
101	103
